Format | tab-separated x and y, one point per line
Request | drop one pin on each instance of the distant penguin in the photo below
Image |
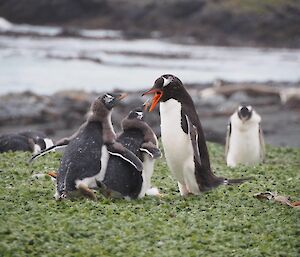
87	153
123	180
39	138
16	142
32	141
183	138
244	141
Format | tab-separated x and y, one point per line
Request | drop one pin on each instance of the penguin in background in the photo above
32	141
183	138
244	141
87	152
39	138
123	180
60	144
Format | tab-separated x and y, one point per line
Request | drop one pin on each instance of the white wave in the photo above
100	33
49	64
5	24
50	31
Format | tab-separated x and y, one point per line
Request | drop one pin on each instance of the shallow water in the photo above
45	63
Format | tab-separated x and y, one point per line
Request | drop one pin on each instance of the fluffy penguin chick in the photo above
183	138
86	155
123	180
244	141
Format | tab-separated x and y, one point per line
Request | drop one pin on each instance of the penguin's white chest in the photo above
177	145
148	164
91	181
244	146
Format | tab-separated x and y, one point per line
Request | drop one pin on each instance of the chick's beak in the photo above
122	96
158	93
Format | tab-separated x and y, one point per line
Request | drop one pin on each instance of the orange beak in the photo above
158	93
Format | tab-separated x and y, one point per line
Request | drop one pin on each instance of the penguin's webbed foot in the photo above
183	189
52	174
153	191
87	192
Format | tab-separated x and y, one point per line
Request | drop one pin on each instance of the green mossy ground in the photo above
225	222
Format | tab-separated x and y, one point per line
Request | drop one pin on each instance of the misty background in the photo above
56	56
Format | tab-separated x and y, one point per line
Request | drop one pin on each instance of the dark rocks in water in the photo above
59	115
45	11
256	23
80	57
290	97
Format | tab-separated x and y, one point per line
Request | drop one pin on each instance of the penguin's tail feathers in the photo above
237	181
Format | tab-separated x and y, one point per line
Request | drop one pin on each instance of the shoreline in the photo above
228	23
61	113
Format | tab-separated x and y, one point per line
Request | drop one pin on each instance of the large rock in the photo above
61	114
264	23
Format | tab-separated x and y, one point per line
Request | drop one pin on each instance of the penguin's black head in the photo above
245	112
164	87
136	113
40	142
110	100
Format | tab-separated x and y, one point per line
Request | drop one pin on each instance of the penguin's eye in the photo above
108	98
139	115
167	80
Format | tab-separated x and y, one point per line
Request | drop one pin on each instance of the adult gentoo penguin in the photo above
123	180
86	155
244	141
183	139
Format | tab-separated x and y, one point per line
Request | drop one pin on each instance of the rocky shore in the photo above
60	114
234	23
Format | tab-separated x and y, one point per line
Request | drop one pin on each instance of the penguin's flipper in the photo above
228	134
108	193
205	178
262	143
48	150
193	132
151	149
62	143
119	150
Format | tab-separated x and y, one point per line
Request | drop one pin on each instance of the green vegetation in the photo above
225	222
